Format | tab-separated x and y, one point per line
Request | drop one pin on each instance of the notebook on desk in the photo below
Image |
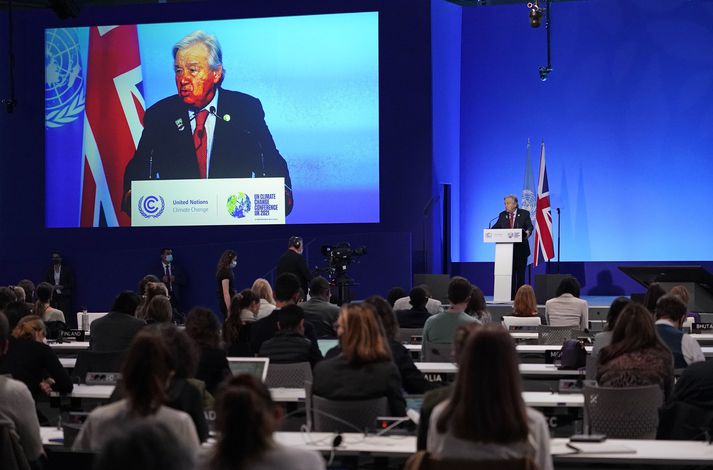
256	366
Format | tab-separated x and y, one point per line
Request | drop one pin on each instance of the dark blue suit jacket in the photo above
242	146
523	221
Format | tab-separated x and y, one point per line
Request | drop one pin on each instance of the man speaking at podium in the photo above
513	217
204	131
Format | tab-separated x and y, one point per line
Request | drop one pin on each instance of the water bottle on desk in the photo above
85	320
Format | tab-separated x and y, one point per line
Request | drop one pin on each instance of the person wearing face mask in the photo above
61	277
226	280
172	275
204	130
293	262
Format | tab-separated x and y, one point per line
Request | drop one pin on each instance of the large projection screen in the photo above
297	104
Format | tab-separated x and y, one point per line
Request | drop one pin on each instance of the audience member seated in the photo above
246	418
202	326
477	307
115	330
267	302
53	319
159	310
653	294
438	395
486	418
567	309
670	315
319	313
688	414
525	303
412	379
144	445
185	393
432	305
603	338
417	315
151	290
439	329
14	311
29	288
17	408
395	293
364	369
248	305
143	284
7	295
145	374
289	344
287	292
682	293
636	355
236	332
29	360
19	293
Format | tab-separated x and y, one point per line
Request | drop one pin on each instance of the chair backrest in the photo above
623	413
12	457
553	335
94	361
422	460
347	415
510	321
591	367
288	375
437	352
405	334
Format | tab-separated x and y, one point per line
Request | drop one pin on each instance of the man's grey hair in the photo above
513	197
215	53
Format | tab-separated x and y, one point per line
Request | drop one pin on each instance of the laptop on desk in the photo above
256	366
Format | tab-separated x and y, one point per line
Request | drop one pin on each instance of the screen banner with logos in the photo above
229	201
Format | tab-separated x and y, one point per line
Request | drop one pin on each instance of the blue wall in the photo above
107	261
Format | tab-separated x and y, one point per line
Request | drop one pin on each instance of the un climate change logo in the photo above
151	206
64	85
238	205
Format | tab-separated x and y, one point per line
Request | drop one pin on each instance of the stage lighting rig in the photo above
535	13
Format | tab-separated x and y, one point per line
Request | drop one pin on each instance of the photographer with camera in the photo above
293	262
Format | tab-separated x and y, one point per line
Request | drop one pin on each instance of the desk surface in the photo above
539	370
70	346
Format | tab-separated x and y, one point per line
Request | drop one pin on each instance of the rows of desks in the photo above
627	452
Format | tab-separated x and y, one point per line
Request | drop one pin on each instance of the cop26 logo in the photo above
151	206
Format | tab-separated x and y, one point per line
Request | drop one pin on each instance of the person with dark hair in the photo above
151	290
145	375
53	318
287	292
7	295
289	344
202	326
115	330
653	293
149	278
438	395
412	379
172	276
246	418
486	417
418	314
567	309
14	311
319	312
364	368
246	304
603	338
226	279
293	262
236	329
17	408
29	288
395	293
439	328
670	315
30	360
682	293
433	306
477	308
61	278
159	310
525	303
636	355
515	218
144	445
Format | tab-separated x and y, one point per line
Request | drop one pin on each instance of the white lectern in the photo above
503	239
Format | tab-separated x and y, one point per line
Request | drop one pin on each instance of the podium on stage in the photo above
504	238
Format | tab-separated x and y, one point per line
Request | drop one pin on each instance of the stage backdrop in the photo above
626	116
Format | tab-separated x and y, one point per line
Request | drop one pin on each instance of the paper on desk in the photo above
600	448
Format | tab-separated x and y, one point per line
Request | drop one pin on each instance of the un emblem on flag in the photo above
64	84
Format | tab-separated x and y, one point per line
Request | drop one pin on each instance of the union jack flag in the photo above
113	122
544	243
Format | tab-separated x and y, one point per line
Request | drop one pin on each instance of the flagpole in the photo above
559	227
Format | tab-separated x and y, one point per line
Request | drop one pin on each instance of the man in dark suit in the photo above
115	330
62	279
204	131
171	275
293	262
513	217
318	311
